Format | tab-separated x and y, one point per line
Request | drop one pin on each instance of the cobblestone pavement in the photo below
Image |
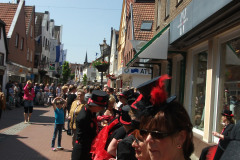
19	141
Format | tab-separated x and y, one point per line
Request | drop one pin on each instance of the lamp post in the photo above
104	48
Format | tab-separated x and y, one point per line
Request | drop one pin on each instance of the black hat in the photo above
227	113
124	94
125	117
232	150
146	87
99	98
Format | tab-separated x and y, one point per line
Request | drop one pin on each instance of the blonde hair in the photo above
29	81
64	87
111	99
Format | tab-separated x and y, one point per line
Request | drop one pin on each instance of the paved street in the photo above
19	141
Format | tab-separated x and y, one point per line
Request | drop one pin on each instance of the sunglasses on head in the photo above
155	134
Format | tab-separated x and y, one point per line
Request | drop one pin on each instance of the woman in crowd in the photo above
140	146
165	125
28	101
215	152
75	109
107	115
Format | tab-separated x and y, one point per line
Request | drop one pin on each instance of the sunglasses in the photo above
59	103
155	134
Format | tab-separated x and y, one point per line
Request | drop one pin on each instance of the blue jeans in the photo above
57	130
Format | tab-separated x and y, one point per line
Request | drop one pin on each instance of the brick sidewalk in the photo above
19	141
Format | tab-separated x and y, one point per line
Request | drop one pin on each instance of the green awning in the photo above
156	48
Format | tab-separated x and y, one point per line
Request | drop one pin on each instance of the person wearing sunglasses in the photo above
140	146
58	106
165	124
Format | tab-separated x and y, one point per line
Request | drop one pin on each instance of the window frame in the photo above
146	21
178	2
22	43
158	14
167	9
16	40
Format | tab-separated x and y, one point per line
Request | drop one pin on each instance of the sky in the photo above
85	23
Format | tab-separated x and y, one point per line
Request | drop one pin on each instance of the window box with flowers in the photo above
102	66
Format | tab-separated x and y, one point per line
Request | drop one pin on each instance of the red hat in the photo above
99	98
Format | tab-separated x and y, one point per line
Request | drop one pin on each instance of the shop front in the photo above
212	83
133	76
18	73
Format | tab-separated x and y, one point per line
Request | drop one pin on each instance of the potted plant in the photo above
102	66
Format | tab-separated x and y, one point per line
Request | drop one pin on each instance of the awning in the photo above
156	48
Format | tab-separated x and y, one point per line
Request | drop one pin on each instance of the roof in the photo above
7	13
143	12
28	15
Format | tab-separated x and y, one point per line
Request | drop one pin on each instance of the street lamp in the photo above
104	51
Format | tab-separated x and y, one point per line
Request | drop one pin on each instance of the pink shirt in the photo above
27	94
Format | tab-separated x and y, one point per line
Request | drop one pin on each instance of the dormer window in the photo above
146	25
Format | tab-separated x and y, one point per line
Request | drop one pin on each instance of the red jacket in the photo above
27	94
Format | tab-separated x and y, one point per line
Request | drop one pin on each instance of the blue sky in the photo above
85	23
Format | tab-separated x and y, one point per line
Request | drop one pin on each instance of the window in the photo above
16	40
31	56
22	43
167	9
229	89
31	32
43	41
146	25
1	59
179	2
158	13
199	89
28	54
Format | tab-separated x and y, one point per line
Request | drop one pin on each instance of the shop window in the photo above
230	80
199	89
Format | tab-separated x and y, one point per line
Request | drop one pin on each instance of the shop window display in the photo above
230	79
199	89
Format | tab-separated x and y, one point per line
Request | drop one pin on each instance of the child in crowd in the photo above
58	106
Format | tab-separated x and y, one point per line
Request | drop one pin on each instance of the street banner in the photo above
57	53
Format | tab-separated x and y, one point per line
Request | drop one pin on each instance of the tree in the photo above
66	72
84	79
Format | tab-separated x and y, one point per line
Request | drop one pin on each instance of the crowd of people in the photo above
142	123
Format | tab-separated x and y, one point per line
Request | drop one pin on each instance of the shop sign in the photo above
52	67
137	70
196	12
